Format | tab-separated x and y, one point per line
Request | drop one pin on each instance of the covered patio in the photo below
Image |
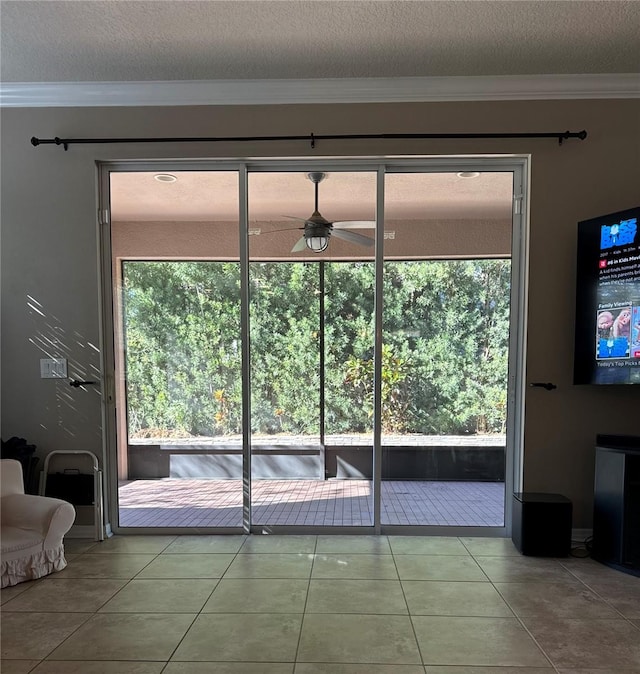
175	502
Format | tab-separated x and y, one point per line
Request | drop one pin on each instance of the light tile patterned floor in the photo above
320	605
174	502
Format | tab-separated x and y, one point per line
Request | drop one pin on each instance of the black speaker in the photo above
541	525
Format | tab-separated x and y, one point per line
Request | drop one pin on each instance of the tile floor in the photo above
173	502
320	605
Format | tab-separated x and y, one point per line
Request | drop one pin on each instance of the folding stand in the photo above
97	503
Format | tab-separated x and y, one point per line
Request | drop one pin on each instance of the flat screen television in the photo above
607	339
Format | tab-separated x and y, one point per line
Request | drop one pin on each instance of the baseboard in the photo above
581	535
81	531
88	531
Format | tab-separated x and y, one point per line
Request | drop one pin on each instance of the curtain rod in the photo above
312	138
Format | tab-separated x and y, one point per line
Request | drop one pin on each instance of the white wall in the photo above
50	279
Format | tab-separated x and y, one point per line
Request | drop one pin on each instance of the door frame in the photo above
518	165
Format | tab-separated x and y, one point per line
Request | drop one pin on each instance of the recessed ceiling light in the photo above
468	174
165	178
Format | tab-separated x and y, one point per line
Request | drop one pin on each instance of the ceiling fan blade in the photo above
354	224
293	217
346	235
301	245
286	229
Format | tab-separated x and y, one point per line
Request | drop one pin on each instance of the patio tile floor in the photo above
172	502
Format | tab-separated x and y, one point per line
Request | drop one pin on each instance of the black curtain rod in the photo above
312	138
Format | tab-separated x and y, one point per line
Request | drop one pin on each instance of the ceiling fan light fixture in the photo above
318	230
317	243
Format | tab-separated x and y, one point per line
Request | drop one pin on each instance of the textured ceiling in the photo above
123	40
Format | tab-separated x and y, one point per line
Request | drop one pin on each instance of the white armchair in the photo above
31	529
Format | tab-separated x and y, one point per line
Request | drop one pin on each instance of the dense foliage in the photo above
444	360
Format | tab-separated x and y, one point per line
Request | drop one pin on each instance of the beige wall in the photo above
50	282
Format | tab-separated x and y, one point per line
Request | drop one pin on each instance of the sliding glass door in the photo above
324	346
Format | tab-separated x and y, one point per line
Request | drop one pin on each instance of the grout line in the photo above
525	628
199	613
306	601
413	627
535	641
597	594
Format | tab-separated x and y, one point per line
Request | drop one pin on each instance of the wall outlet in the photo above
53	368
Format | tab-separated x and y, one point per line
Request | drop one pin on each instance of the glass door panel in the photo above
445	349
178	353
309	315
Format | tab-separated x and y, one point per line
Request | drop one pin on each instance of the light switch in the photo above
53	368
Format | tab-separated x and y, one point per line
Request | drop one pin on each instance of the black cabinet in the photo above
616	511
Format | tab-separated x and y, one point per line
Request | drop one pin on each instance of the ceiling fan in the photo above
317	230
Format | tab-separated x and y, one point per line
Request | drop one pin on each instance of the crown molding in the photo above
274	92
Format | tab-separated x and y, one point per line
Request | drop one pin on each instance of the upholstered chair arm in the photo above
52	517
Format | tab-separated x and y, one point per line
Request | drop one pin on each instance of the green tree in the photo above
182	332
393	394
444	365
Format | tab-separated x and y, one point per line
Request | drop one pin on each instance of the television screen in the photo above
607	340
